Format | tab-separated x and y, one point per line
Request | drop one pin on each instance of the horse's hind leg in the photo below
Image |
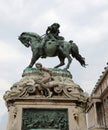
69	62
61	62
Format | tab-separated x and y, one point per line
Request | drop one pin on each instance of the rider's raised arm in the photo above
48	30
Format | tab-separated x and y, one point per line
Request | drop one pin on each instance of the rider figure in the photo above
52	32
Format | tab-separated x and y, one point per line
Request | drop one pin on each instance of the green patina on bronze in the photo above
43	119
51	45
54	71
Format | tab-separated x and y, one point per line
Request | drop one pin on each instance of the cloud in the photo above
4	84
3	121
8	52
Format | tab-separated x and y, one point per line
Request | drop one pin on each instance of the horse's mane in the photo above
32	34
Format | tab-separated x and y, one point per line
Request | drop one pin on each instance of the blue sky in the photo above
83	21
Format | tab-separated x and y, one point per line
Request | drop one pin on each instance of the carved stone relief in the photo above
42	82
45	119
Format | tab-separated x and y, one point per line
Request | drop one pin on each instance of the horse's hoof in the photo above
56	67
65	69
29	66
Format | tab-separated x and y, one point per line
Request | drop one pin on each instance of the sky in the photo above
83	21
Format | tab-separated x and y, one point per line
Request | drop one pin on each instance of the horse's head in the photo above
25	39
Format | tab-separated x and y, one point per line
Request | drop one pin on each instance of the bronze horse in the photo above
52	48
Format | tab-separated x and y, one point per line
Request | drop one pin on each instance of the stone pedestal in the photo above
46	99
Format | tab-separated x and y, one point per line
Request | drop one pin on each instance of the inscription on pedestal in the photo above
44	119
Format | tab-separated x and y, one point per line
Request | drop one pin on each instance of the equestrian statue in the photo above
51	45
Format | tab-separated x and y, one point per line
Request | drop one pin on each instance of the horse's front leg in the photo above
61	62
33	60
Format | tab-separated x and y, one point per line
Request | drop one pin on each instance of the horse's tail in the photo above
76	55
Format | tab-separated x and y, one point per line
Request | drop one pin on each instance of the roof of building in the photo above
100	79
